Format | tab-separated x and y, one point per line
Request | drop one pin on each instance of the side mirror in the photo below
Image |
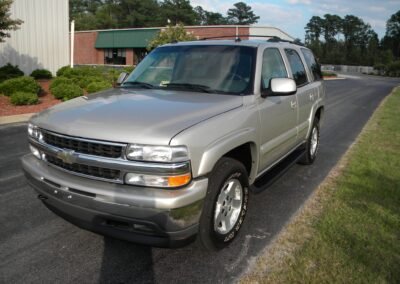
281	87
121	78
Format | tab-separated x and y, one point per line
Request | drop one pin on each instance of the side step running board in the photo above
267	179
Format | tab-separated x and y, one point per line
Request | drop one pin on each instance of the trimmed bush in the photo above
98	86
85	81
24	98
59	81
328	74
66	92
60	72
21	84
9	71
72	73
41	74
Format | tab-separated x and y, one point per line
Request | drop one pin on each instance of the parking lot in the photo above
37	246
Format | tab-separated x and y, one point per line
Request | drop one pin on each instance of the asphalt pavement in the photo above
37	246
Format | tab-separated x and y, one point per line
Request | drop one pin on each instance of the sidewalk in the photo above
15	118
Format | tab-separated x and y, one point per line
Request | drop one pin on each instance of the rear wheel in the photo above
225	205
312	144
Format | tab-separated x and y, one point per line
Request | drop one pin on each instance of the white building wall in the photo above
269	31
42	40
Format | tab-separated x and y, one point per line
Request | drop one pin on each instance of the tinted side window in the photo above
312	64
299	73
273	66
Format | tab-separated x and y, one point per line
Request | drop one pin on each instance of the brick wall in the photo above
130	57
84	50
86	53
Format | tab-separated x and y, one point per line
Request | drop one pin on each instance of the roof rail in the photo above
271	38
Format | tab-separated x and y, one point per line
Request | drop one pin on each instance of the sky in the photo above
292	16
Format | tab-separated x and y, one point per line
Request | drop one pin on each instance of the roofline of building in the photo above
272	28
191	27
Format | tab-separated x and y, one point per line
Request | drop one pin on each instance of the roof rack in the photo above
237	38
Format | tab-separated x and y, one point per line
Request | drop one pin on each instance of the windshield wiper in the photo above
138	84
189	86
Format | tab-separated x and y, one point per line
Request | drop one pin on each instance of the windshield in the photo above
203	68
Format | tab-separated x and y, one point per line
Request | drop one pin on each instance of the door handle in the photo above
293	104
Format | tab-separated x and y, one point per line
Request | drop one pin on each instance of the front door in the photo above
278	114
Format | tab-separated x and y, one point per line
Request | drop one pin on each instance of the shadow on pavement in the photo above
125	262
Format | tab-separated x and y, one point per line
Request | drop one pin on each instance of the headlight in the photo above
34	132
167	154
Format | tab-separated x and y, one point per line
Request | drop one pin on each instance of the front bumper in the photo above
150	216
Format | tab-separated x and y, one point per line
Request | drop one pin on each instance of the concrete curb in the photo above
15	118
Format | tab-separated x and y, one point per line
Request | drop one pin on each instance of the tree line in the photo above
114	14
351	41
334	40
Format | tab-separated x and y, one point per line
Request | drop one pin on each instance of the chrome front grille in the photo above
82	156
103	173
82	146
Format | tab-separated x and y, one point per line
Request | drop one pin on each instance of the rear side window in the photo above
272	66
299	72
312	64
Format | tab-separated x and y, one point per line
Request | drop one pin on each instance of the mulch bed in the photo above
46	100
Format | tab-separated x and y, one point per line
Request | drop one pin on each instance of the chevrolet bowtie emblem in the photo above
67	156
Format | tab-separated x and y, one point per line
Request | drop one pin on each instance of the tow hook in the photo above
42	197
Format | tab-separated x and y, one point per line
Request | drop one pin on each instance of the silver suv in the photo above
175	150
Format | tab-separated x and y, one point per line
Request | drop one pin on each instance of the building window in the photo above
140	54
115	56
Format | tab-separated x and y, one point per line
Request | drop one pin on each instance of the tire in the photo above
225	204
312	144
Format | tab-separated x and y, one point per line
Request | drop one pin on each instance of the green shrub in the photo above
85	81
21	84
73	73
66	92
98	86
60	72
80	74
129	69
24	98
328	74
58	81
80	71
393	69
41	74
9	71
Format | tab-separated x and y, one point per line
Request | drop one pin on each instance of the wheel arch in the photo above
238	147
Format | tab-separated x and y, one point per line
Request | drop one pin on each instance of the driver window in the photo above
272	66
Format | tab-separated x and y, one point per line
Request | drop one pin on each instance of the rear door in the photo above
316	89
305	91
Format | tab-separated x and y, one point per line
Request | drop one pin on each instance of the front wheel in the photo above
312	144
225	204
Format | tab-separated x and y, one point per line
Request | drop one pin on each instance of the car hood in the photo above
134	116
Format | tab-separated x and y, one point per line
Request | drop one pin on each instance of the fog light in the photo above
35	152
157	181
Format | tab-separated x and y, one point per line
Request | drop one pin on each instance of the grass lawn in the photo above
350	232
328	74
